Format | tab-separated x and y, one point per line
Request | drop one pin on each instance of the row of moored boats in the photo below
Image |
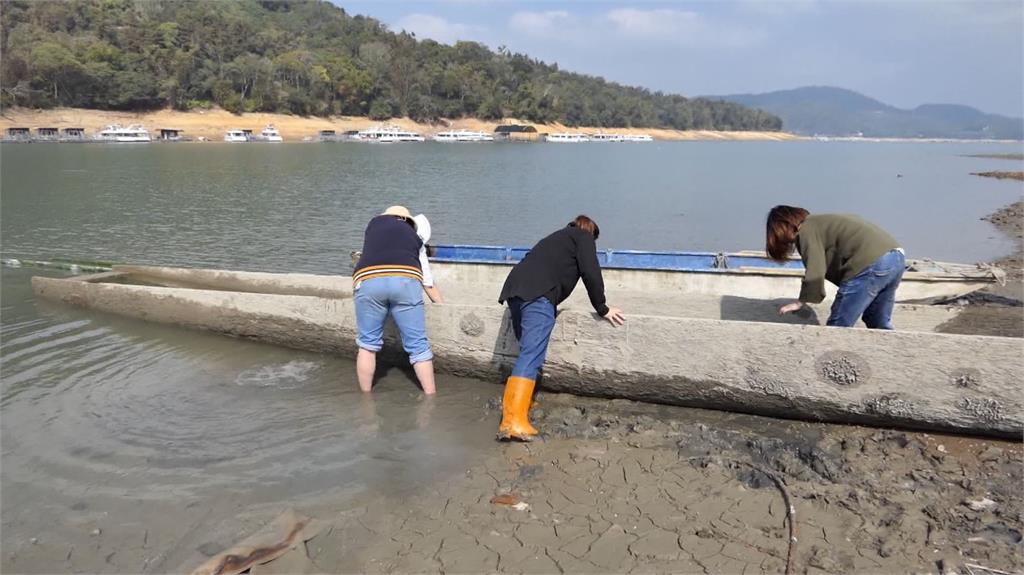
389	134
138	134
385	133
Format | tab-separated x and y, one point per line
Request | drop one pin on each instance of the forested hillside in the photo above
305	57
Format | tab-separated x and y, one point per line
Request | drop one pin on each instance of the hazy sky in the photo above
903	52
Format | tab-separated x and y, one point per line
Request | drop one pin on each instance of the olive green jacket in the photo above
836	247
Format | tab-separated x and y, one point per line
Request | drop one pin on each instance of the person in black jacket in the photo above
533	289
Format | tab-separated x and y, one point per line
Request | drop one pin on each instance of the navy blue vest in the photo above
390	248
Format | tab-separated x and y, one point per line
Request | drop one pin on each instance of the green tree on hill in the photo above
305	57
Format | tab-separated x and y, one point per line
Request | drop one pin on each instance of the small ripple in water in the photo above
291	375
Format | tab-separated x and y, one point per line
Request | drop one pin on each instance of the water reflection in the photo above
96	408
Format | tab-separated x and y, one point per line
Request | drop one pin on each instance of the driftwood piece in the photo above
280	536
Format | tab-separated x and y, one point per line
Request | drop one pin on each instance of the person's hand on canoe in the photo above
615	316
791	307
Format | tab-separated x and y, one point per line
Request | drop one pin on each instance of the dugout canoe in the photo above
749	274
912	379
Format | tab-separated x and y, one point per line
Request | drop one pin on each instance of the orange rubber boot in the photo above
515	408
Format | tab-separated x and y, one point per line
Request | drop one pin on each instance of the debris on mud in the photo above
1009	219
506	499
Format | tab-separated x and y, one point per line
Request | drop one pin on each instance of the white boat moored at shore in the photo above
270	134
463	136
567	137
387	133
605	137
116	133
236	136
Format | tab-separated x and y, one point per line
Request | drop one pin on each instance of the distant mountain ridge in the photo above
826	110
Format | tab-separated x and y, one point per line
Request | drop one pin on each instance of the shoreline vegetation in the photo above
308	58
213	123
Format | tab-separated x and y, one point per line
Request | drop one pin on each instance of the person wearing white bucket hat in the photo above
423	231
388	280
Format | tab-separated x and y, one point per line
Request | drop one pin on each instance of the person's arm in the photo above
812	289
434	294
428	279
590	271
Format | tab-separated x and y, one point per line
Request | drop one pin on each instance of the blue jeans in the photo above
870	294
532	322
403	299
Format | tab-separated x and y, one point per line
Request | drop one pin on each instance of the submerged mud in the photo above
998	310
1000	175
618	486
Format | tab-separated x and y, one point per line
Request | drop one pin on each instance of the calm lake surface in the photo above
302	207
131	428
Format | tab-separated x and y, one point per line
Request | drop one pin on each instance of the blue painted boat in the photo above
621	259
745	274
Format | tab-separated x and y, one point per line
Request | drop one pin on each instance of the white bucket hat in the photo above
422	227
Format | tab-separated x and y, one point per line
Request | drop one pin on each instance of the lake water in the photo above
127	427
302	207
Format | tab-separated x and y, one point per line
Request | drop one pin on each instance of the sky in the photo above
902	52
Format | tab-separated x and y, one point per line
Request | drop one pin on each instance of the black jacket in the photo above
553	267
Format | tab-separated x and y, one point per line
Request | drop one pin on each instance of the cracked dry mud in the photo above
617	486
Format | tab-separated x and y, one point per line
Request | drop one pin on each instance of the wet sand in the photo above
617	486
1001	175
997	156
612	486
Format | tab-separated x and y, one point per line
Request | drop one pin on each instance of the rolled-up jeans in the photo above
871	294
532	322
403	299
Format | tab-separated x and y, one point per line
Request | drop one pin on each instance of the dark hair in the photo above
586	224
782	226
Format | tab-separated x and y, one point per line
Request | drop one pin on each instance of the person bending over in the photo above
861	258
533	289
388	279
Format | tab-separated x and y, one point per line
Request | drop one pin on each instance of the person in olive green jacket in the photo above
861	258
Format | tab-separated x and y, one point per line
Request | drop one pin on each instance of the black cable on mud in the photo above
780	484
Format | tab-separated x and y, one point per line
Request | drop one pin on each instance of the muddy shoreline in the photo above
615	486
998	310
1001	175
619	486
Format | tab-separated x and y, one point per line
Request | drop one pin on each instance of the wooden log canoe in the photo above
912	379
